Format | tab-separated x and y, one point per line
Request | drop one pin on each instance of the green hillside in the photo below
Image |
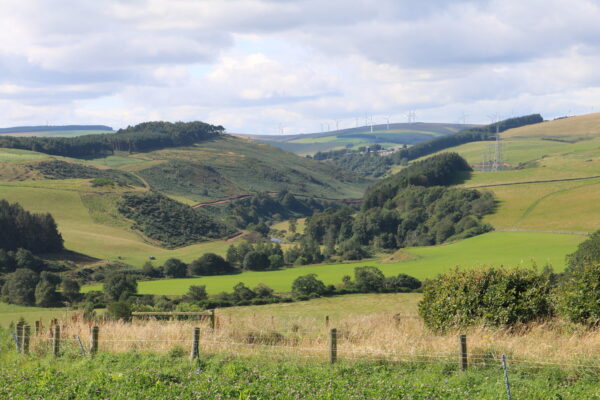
396	134
88	216
549	180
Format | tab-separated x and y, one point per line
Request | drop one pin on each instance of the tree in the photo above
209	264
276	261
25	259
293	225
70	289
263	291
255	260
149	270
308	285
175	268
7	262
19	287
368	279
45	294
588	252
120	286
232	256
196	293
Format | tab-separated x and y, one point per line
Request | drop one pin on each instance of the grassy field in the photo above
87	227
12	313
496	248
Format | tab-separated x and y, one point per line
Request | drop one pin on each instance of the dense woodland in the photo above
265	208
411	208
170	222
143	137
22	229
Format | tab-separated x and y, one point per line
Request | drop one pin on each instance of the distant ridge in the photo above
52	128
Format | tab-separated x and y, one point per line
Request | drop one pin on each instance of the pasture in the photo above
12	313
510	249
90	224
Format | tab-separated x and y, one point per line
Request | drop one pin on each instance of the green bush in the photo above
119	310
494	297
579	296
308	285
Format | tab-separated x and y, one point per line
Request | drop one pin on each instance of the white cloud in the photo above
251	65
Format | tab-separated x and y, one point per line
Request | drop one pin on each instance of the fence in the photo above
389	339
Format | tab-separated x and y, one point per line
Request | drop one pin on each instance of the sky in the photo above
295	66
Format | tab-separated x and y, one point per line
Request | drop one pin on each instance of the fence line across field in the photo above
333	347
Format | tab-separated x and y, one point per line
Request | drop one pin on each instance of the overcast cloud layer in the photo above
258	66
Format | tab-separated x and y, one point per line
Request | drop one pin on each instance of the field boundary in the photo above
533	182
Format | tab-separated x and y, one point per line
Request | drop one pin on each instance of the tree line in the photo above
146	136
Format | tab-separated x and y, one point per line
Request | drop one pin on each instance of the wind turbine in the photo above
388	123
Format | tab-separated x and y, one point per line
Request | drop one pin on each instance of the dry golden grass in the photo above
384	336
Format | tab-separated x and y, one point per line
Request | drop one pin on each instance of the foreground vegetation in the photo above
147	376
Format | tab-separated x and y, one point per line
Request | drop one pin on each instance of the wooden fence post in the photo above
56	340
462	357
212	319
26	334
327	321
94	341
19	329
333	345
37	327
195	344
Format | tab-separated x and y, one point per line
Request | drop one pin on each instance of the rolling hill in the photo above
88	216
550	180
396	134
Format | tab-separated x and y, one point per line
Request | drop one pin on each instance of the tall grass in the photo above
386	337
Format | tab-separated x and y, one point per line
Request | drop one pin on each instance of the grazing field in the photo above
87	226
12	313
510	249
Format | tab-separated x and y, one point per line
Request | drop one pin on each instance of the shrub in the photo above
579	295
494	297
196	293
119	310
70	289
401	283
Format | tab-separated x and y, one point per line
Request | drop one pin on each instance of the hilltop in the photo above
392	135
